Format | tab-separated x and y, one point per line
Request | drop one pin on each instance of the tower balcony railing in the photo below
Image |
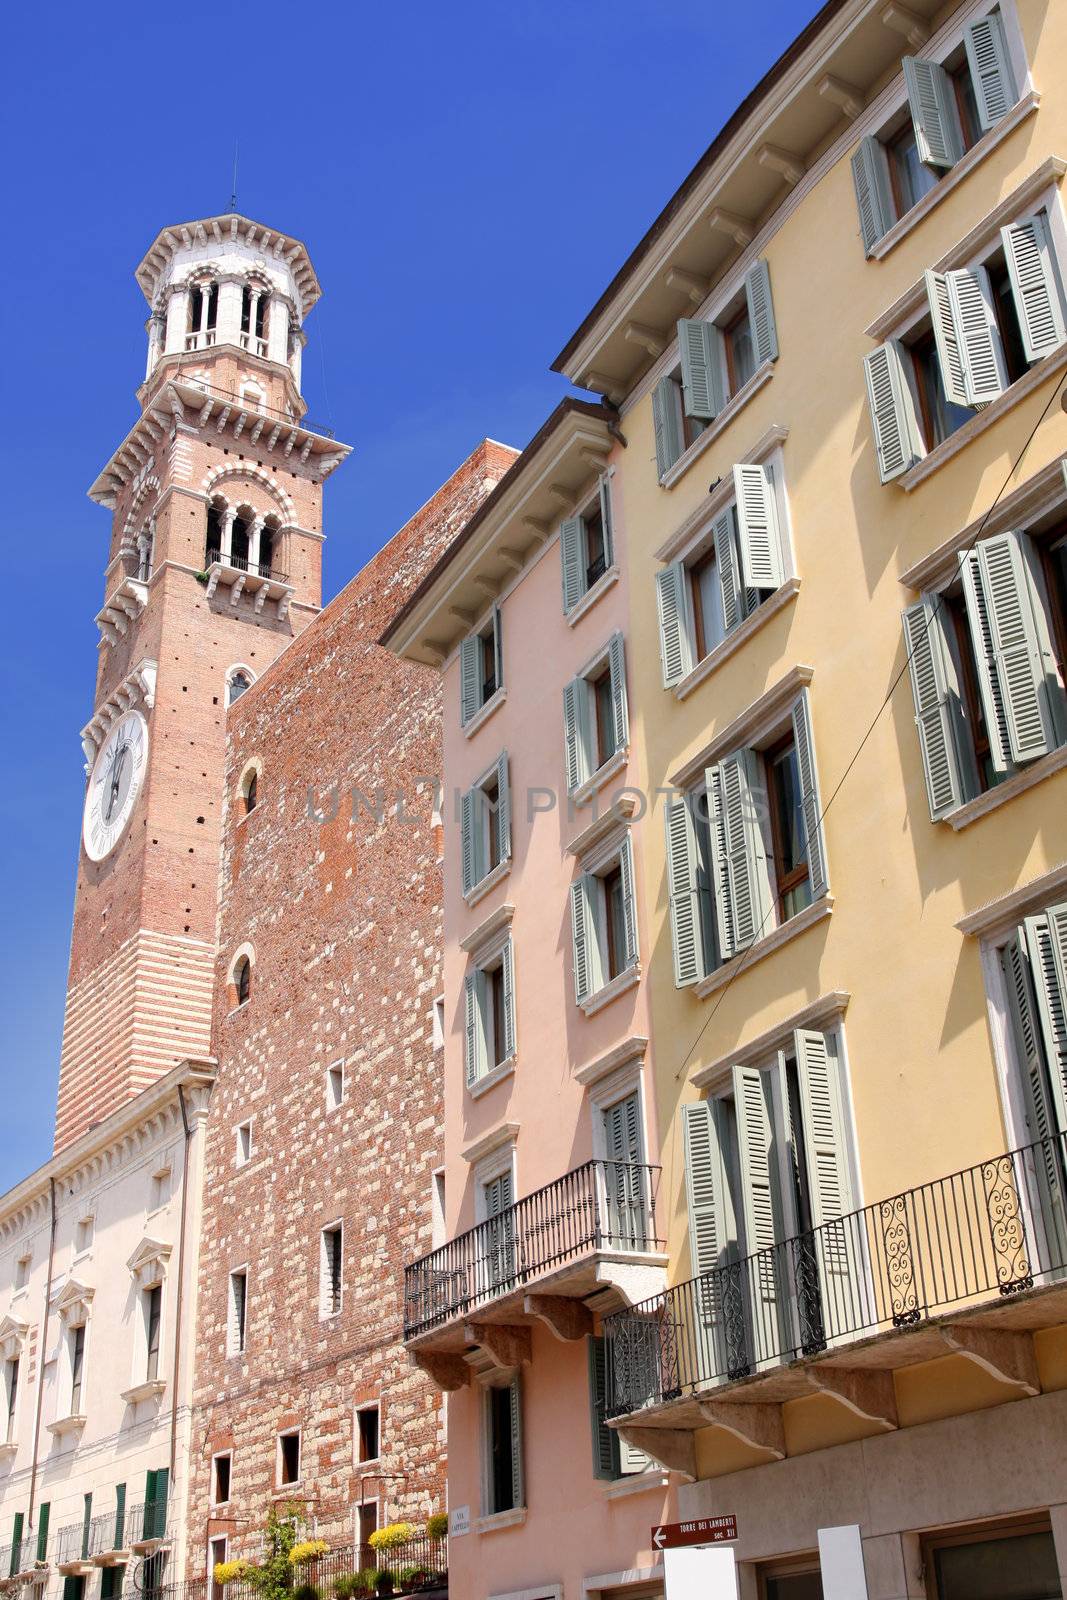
258	569
551	1238
230	397
250	341
902	1280
201	339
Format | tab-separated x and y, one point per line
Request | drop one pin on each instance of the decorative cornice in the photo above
490	1142
148	1264
138	686
631	1049
490	928
74	1302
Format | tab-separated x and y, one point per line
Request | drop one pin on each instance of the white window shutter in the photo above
737	601
576	732
470	677
617	671
607	520
758	535
761	313
1044	1111
811	803
475	1058
700	348
976	599
498	646
991	74
507	968
739	855
468	829
667	424
1035	285
675	648
760	1203
978	333
518	1493
874	195
893	417
629	901
572	557
938	709
502	820
712	1223
1046	940
682	892
933	112
838	1252
585	949
946	337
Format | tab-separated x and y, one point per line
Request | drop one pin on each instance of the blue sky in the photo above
468	177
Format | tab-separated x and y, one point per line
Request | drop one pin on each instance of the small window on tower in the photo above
236	683
242	981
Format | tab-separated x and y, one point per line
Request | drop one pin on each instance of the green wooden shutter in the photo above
607	520
933	112
475	1052
991	74
507	968
1035	285
502	820
576	732
110	1583
837	1250
468	829
761	1206
43	1518
712	1221
687	942
946	337
979	335
874	195
976	599
667	425
470	677
617	670
572	557
1015	641
585	949
758	535
605	1439
1046	941
739	855
703	388
938	709
675	649
87	1522
629	902
17	1526
893	417
1044	1112
811	804
761	313
120	1516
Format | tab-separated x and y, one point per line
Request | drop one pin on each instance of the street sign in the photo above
704	1530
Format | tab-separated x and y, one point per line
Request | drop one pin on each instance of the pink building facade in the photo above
545	1209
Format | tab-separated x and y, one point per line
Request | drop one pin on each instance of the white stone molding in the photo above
148	1264
138	687
12	1338
124	606
74	1303
259	475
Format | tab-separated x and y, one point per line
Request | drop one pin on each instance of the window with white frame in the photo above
502	1447
437	1209
218	1551
22	1271
335	1085
489	1007
221	1473
152	1313
83	1234
289	1457
437	1023
76	1357
159	1190
496	1216
987	656
485	824
331	1269
481	667
11	1397
730	569
716	358
745	846
949	105
596	724
586	546
604	919
626	1190
237	1312
981	327
244	1148
768	1158
368	1432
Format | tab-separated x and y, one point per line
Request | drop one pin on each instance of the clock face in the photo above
115	784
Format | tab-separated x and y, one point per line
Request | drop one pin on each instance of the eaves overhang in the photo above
218	230
545	484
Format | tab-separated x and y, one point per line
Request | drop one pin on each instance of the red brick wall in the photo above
345	921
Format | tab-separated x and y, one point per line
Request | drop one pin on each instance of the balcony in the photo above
972	1264
238	574
72	1551
146	1526
591	1232
108	1539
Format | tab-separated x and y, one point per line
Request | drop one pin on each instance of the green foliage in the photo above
272	1579
384	1585
306	1591
437	1525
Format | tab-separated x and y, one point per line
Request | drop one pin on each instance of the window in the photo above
767	1161
733	567
625	1176
997	1562
22	1272
437	1209
237	1311
503	1448
612	1457
596	723
11	1396
244	1146
438	1022
481	667
987	666
330	1270
248	792
160	1189
289	1457
716	359
745	849
604	922
145	543
586	547
791	1583
335	1086
77	1368
254	302
367	1425
220	1479
949	106
489	1001
203	315
983	327
236	684
218	1551
485	825
83	1235
242	981
152	1306
497	1242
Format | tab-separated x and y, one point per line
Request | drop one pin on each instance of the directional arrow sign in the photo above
704	1530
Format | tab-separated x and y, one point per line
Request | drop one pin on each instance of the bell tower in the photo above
215	564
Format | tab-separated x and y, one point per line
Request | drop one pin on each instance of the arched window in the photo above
250	793
213	550
248	790
203	315
239	541
267	547
237	682
145	543
254	301
242	980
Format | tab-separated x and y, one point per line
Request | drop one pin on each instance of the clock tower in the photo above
214	566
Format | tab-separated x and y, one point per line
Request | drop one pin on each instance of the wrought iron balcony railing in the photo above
145	1520
259	569
601	1206
73	1543
998	1228
107	1532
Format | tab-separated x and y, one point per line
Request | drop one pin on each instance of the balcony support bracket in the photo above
758	1424
506	1346
674	1449
1006	1354
869	1395
448	1372
567	1319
